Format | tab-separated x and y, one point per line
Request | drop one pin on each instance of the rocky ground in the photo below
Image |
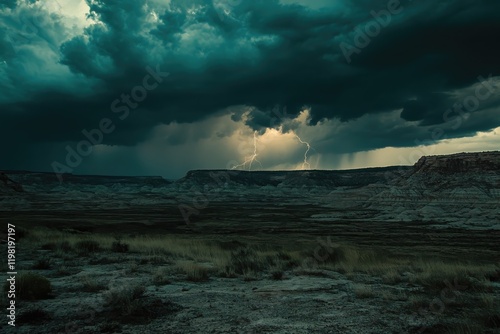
306	297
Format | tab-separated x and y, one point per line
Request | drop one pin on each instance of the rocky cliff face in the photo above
459	163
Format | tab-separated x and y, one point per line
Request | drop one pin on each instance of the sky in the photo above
160	87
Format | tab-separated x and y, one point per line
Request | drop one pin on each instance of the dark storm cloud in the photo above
256	53
8	3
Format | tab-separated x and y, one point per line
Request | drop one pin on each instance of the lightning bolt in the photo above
305	164
250	160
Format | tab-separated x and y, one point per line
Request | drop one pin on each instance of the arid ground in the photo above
269	275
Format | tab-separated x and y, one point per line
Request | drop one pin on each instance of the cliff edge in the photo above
459	163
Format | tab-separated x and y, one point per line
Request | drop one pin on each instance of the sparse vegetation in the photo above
124	300
87	246
194	272
119	247
419	301
399	295
249	276
196	259
133	267
244	260
61	246
487	300
160	277
392	277
363	291
64	246
90	284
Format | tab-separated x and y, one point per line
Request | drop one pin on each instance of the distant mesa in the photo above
471	163
459	163
427	168
44	181
292	178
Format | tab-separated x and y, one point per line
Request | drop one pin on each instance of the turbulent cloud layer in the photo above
372	74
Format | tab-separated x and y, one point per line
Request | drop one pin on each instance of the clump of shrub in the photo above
119	247
154	259
133	267
124	300
244	260
91	285
392	277
419	301
42	264
435	281
280	261
87	246
31	286
194	272
231	245
363	291
160	277
287	260
249	276
64	246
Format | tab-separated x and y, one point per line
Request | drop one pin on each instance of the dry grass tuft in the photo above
124	299
160	277
392	277
194	272
395	296
363	291
89	284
